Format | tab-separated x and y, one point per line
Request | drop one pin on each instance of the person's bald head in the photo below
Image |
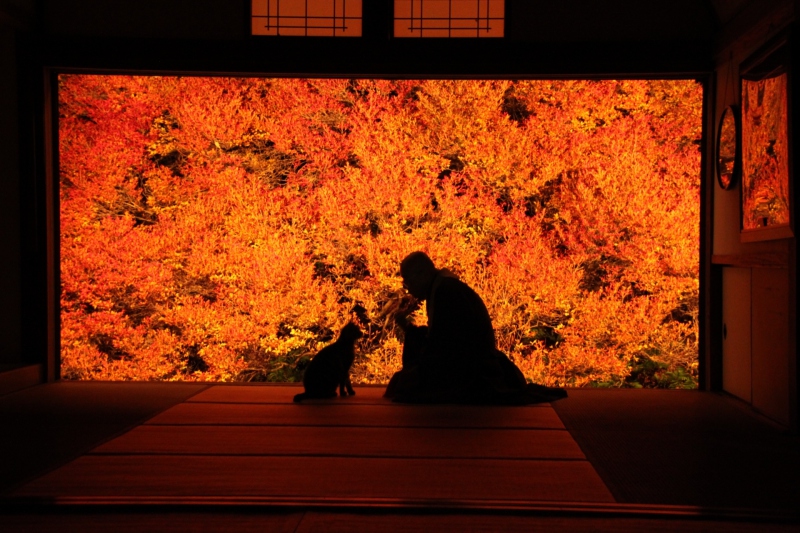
418	272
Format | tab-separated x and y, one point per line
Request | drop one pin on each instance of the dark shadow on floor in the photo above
48	425
286	521
683	448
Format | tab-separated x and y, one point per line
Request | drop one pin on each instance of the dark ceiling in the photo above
726	10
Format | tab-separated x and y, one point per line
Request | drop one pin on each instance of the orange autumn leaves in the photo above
226	228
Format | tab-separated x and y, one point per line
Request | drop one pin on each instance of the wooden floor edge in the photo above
21	505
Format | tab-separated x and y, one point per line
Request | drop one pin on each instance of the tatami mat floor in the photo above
248	456
382	452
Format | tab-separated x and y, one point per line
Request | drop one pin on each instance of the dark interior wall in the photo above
590	21
563	38
148	19
10	264
553	22
16	13
758	294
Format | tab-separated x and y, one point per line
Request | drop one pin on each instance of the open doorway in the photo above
220	228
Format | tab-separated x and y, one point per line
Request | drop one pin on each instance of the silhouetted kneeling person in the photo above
454	359
330	368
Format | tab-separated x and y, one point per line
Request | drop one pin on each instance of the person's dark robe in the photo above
455	359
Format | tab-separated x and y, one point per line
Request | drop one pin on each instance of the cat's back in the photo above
327	358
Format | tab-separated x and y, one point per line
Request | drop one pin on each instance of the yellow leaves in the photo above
517	207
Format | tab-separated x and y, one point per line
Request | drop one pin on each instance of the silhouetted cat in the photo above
331	367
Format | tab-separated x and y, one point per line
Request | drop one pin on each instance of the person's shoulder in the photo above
445	277
449	282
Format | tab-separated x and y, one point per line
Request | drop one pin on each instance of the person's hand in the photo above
401	320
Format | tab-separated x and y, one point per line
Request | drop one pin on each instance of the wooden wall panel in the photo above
770	355
736	371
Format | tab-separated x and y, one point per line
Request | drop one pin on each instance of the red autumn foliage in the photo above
225	228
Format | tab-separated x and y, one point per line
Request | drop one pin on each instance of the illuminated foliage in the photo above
765	153
225	229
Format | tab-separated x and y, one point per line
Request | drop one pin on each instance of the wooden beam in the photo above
753	260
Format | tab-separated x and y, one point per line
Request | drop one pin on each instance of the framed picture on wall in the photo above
767	210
